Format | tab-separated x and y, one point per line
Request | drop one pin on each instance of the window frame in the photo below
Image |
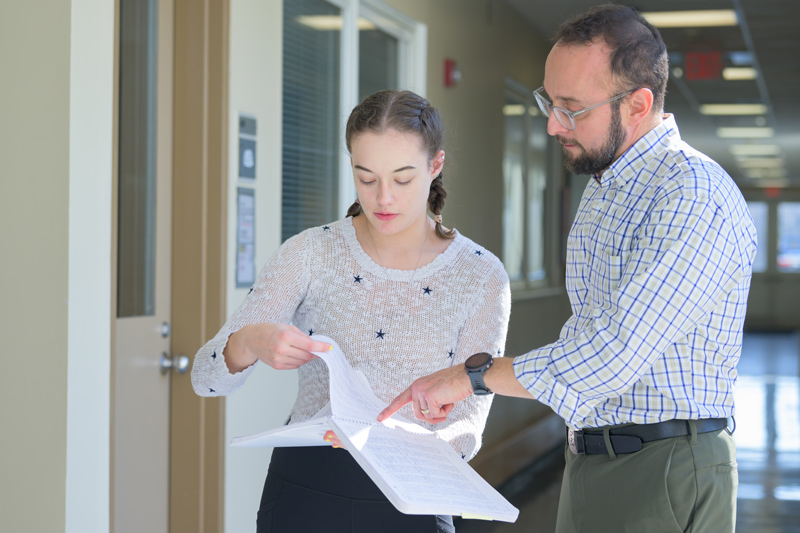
552	200
412	63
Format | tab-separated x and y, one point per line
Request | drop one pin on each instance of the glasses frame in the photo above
546	105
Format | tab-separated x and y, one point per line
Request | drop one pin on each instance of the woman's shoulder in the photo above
477	257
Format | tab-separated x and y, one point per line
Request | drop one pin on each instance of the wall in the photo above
54	278
256	44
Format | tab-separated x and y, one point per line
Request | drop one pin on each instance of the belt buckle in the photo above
575	442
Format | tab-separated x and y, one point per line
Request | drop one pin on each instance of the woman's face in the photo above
393	176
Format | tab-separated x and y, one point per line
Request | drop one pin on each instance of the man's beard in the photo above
596	161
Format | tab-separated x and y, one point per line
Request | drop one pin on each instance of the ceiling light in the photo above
761	162
738	73
733	109
330	22
765	173
745	133
743	150
513	110
692	19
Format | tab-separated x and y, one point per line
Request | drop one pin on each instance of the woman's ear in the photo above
437	164
639	105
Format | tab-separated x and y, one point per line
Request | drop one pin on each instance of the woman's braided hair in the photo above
404	112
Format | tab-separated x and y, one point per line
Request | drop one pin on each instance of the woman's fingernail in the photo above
327	439
330	347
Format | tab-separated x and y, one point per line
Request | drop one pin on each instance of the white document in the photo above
417	471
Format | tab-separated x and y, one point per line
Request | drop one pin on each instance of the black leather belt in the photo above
629	439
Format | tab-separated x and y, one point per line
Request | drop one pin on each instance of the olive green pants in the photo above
681	484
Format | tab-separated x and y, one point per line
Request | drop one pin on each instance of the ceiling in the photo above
769	36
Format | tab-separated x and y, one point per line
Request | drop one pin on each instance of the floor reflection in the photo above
768	434
767	441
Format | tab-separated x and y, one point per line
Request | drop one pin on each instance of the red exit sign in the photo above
703	65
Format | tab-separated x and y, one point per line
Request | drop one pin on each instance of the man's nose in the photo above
554	127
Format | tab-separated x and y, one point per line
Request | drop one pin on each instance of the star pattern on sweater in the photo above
250	291
478	253
311	332
326	228
427	290
380	333
214	356
450	354
357	279
211	390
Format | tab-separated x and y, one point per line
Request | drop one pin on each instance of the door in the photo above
142	364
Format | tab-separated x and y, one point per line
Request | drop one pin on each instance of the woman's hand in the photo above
331	437
281	346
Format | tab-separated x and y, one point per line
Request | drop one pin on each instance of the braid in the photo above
435	203
354	210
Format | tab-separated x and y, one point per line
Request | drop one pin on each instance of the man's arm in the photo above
434	396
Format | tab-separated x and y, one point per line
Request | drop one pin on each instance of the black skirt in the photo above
321	488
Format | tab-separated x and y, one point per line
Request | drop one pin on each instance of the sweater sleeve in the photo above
279	289
484	331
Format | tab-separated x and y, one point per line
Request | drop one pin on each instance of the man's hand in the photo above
434	396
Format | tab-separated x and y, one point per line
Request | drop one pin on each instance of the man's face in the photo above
576	77
580	160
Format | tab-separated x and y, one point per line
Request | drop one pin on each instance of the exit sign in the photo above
703	65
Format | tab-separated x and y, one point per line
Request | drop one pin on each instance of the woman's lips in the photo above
385	216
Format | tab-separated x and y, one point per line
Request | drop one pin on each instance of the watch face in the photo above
477	360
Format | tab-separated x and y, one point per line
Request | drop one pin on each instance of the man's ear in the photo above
640	102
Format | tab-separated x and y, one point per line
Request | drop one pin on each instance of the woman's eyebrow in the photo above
365	169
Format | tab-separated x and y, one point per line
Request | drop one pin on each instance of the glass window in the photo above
311	71
513	189
137	160
537	192
377	60
789	237
759	211
524	190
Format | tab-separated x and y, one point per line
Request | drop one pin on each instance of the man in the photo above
658	270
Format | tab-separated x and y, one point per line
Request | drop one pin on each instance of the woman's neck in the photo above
407	250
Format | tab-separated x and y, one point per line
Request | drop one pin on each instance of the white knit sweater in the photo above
392	325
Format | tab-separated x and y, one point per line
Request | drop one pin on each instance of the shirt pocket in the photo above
605	277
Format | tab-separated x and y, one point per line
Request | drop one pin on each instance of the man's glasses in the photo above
567	118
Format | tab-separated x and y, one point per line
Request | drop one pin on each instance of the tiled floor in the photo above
767	441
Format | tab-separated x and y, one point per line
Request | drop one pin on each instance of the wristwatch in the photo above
477	365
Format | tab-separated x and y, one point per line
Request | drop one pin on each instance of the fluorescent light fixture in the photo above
738	73
517	110
745	133
330	22
702	18
744	150
765	173
733	109
761	162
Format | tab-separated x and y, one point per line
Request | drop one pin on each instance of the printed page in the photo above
351	395
421	474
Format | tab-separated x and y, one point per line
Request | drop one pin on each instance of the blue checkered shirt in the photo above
659	262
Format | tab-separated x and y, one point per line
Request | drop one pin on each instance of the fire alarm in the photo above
452	75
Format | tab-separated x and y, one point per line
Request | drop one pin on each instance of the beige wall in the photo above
34	202
55	167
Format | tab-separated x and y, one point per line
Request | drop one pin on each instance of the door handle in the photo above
179	363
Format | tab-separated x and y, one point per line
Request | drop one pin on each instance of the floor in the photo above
767	441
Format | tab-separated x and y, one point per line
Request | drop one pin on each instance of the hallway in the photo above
767	439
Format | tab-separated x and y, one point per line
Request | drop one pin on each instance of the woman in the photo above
402	296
